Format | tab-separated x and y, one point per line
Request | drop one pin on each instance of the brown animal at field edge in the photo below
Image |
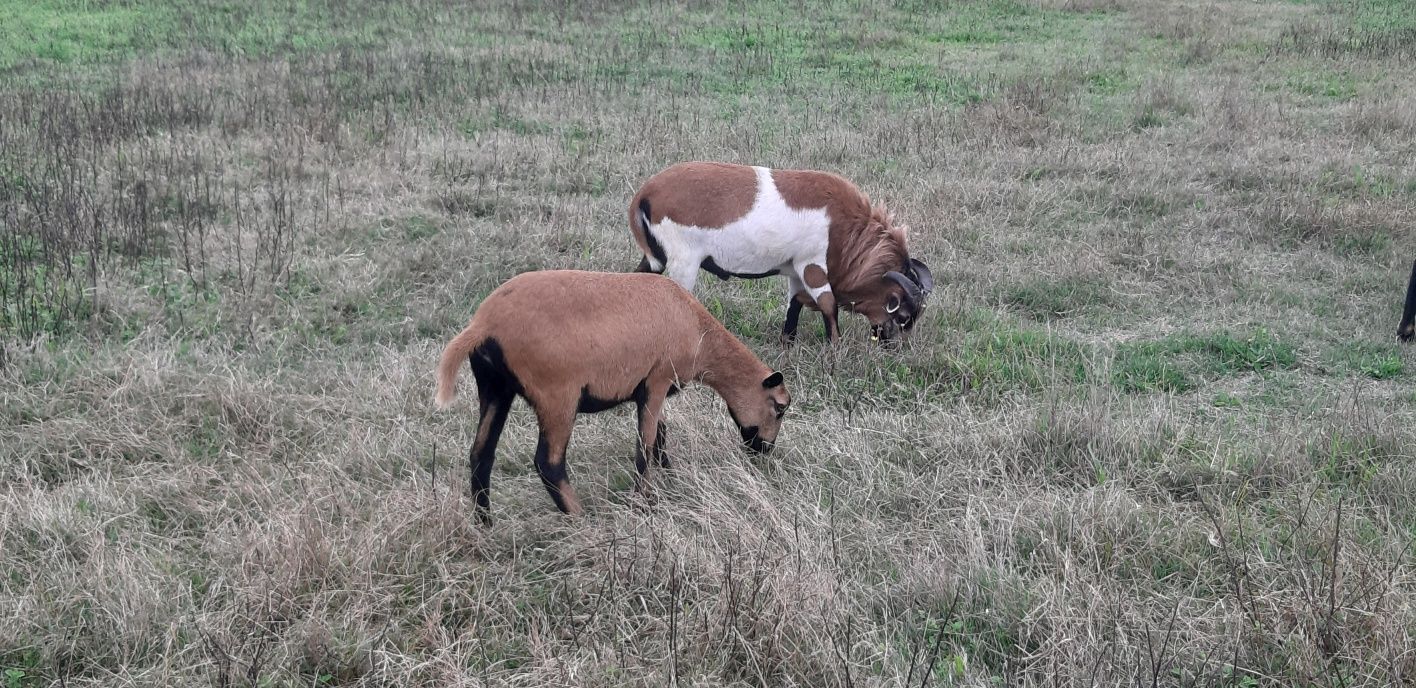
573	342
836	248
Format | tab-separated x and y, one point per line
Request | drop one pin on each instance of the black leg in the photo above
659	454
649	406
1407	329
641	463
827	303
551	476
550	464
484	452
789	329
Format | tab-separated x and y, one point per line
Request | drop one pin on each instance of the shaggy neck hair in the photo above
859	257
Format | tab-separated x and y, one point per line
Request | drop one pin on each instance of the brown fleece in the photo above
564	333
814	276
863	243
705	194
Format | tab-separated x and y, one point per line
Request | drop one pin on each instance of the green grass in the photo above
1335	85
908	55
1027	358
1149	369
504	121
74	31
1363	27
1374	360
1044	299
1382	15
1175	363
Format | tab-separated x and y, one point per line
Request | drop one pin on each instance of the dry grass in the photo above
1155	429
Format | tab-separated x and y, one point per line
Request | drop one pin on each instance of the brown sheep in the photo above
573	342
835	248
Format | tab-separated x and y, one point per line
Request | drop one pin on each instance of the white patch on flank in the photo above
771	236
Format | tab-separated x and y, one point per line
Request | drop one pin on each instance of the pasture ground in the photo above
1155	428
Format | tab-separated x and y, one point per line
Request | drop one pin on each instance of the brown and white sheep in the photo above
836	249
573	342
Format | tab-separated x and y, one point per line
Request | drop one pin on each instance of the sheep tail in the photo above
453	356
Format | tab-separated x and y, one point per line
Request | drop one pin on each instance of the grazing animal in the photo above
835	248
1406	329
573	342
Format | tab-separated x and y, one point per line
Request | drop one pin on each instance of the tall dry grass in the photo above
1152	431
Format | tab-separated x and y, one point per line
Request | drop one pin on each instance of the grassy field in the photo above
1155	428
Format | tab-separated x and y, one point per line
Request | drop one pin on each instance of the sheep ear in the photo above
923	276
773	380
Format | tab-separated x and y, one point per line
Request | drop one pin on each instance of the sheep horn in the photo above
912	290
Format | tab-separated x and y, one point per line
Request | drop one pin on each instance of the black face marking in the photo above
750	436
884	334
722	274
780	408
655	249
753	440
